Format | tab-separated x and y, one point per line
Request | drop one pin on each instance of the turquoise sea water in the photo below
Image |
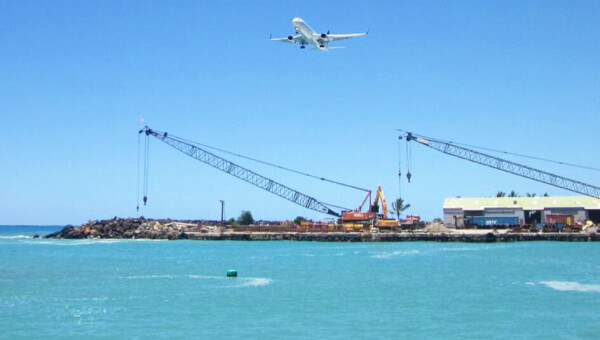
295	290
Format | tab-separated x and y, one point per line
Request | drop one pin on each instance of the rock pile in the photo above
436	227
117	228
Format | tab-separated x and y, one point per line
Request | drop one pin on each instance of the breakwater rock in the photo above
124	228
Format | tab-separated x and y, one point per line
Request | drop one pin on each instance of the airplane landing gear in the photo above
302	46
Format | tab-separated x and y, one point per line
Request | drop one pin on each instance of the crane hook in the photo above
408	176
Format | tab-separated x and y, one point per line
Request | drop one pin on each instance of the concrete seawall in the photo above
397	237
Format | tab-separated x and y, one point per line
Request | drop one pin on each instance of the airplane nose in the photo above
296	20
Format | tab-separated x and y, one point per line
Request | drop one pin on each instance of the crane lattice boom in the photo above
507	166
241	172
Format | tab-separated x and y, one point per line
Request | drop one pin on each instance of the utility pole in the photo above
222	209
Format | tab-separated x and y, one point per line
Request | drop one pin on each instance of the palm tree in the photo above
513	194
501	194
530	195
398	206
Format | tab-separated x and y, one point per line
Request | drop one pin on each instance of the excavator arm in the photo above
375	207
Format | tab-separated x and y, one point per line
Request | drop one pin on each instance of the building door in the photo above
533	216
594	215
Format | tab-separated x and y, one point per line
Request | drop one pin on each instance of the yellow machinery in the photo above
382	221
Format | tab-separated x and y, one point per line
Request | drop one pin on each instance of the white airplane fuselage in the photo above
305	31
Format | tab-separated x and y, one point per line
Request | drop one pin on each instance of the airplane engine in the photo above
323	35
290	38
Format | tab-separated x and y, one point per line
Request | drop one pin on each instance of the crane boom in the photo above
241	172
507	166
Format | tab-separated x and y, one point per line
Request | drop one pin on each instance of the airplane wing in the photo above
290	39
334	37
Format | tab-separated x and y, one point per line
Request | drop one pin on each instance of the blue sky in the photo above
521	76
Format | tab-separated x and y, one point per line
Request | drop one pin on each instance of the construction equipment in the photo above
357	215
238	171
372	216
356	219
506	166
382	220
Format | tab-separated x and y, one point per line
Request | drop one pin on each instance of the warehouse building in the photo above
505	211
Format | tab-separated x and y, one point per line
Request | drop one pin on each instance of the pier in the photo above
140	228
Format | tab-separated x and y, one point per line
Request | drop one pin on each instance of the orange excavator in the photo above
382	219
372	216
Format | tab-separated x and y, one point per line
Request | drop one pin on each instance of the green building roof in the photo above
526	203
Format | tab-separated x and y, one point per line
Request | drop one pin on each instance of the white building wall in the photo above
449	220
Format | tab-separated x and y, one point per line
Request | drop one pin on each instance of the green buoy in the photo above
231	273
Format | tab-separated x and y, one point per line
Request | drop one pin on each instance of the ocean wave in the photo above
460	249
84	242
141	277
256	282
571	286
169	276
60	243
388	255
90	299
204	277
247	282
16	236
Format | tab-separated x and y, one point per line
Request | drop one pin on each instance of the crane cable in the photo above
268	164
408	160
137	207
399	167
146	167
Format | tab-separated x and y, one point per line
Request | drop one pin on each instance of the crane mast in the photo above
507	166
240	172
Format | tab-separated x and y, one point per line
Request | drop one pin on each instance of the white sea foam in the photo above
138	277
459	249
15	236
62	243
167	276
248	282
388	255
256	282
204	277
571	286
84	242
90	299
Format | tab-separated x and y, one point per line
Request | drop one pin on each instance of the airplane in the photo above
307	36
